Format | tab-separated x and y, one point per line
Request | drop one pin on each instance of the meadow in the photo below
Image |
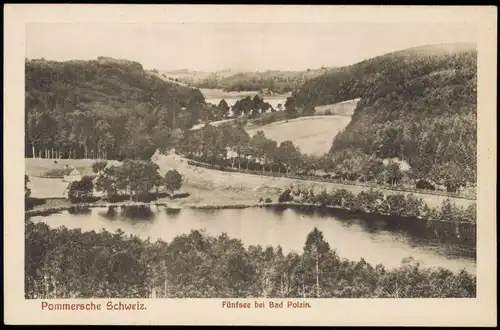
313	135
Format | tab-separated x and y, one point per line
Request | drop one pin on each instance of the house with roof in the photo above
74	175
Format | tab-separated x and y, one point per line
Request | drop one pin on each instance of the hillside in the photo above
104	108
274	81
418	104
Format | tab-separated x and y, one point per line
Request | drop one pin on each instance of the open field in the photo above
217	187
313	135
52	187
345	108
207	186
37	167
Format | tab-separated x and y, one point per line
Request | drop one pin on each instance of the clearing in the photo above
345	108
222	188
313	135
52	187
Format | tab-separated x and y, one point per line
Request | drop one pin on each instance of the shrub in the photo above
285	196
57	172
269	200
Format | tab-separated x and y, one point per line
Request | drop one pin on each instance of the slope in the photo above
105	108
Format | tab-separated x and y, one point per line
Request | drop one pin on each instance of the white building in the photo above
73	176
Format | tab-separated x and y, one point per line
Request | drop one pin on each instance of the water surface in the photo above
353	237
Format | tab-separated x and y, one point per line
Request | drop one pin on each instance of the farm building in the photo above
73	176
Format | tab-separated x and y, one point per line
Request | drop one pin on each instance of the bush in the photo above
285	196
269	200
57	172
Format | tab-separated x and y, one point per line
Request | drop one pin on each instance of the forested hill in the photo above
105	108
418	104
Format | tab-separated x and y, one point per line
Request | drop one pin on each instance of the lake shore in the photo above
207	186
58	205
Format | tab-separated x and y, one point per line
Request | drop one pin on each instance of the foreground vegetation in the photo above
62	263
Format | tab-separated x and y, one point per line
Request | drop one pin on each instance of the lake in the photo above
353	237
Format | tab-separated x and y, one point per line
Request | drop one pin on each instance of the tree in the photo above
393	172
316	249
224	107
265	106
138	176
291	107
173	180
288	154
81	191
108	182
99	166
261	148
308	110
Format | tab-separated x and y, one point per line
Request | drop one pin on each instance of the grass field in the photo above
217	187
345	108
48	187
313	135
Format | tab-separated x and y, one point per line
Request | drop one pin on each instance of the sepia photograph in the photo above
255	162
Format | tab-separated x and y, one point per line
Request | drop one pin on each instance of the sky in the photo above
235	46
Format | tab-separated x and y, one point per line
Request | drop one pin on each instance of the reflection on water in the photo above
79	210
376	239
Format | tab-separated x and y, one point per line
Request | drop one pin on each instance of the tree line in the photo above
231	146
375	201
62	263
139	180
268	81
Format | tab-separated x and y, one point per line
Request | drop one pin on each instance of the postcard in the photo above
250	165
